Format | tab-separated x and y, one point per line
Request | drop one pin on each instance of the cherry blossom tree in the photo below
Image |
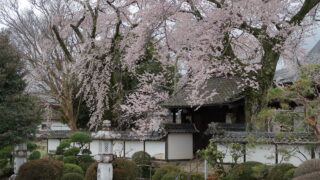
106	40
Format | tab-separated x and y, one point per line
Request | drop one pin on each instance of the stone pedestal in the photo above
104	171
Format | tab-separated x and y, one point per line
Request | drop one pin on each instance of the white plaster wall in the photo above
132	147
118	148
228	157
264	153
94	147
156	149
180	146
298	154
53	144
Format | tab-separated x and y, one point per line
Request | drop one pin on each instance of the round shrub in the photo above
72	168
47	169
170	176
34	155
163	170
309	166
85	158
85	165
91	173
70	159
279	170
72	176
71	151
124	169
143	160
248	171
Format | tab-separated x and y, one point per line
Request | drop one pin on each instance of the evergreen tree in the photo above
19	113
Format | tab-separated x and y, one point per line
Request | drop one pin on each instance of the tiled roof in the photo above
265	137
56	134
180	128
227	90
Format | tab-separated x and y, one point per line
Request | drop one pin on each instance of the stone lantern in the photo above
105	156
20	157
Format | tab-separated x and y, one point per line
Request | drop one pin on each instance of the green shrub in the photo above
72	168
91	173
248	171
279	170
73	151
62	146
143	160
72	176
124	169
86	151
5	152
70	159
163	170
197	177
35	155
289	174
80	138
170	176
46	169
85	158
309	166
31	146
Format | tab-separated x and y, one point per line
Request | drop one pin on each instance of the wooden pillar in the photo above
174	115
244	152
124	149
276	147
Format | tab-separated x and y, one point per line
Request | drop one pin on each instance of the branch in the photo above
305	9
76	29
62	44
94	16
196	12
218	4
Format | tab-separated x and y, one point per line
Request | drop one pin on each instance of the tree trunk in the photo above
256	99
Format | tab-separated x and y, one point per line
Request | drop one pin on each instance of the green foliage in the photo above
64	144
86	151
80	138
124	169
70	159
72	176
47	169
5	152
248	171
34	155
72	168
31	146
308	167
278	171
163	170
289	174
73	151
85	158
143	160
20	113
197	177
91	173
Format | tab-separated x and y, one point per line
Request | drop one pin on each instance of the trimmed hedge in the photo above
34	155
143	160
46	169
70	159
163	170
278	171
91	173
72	176
248	171
124	169
72	168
